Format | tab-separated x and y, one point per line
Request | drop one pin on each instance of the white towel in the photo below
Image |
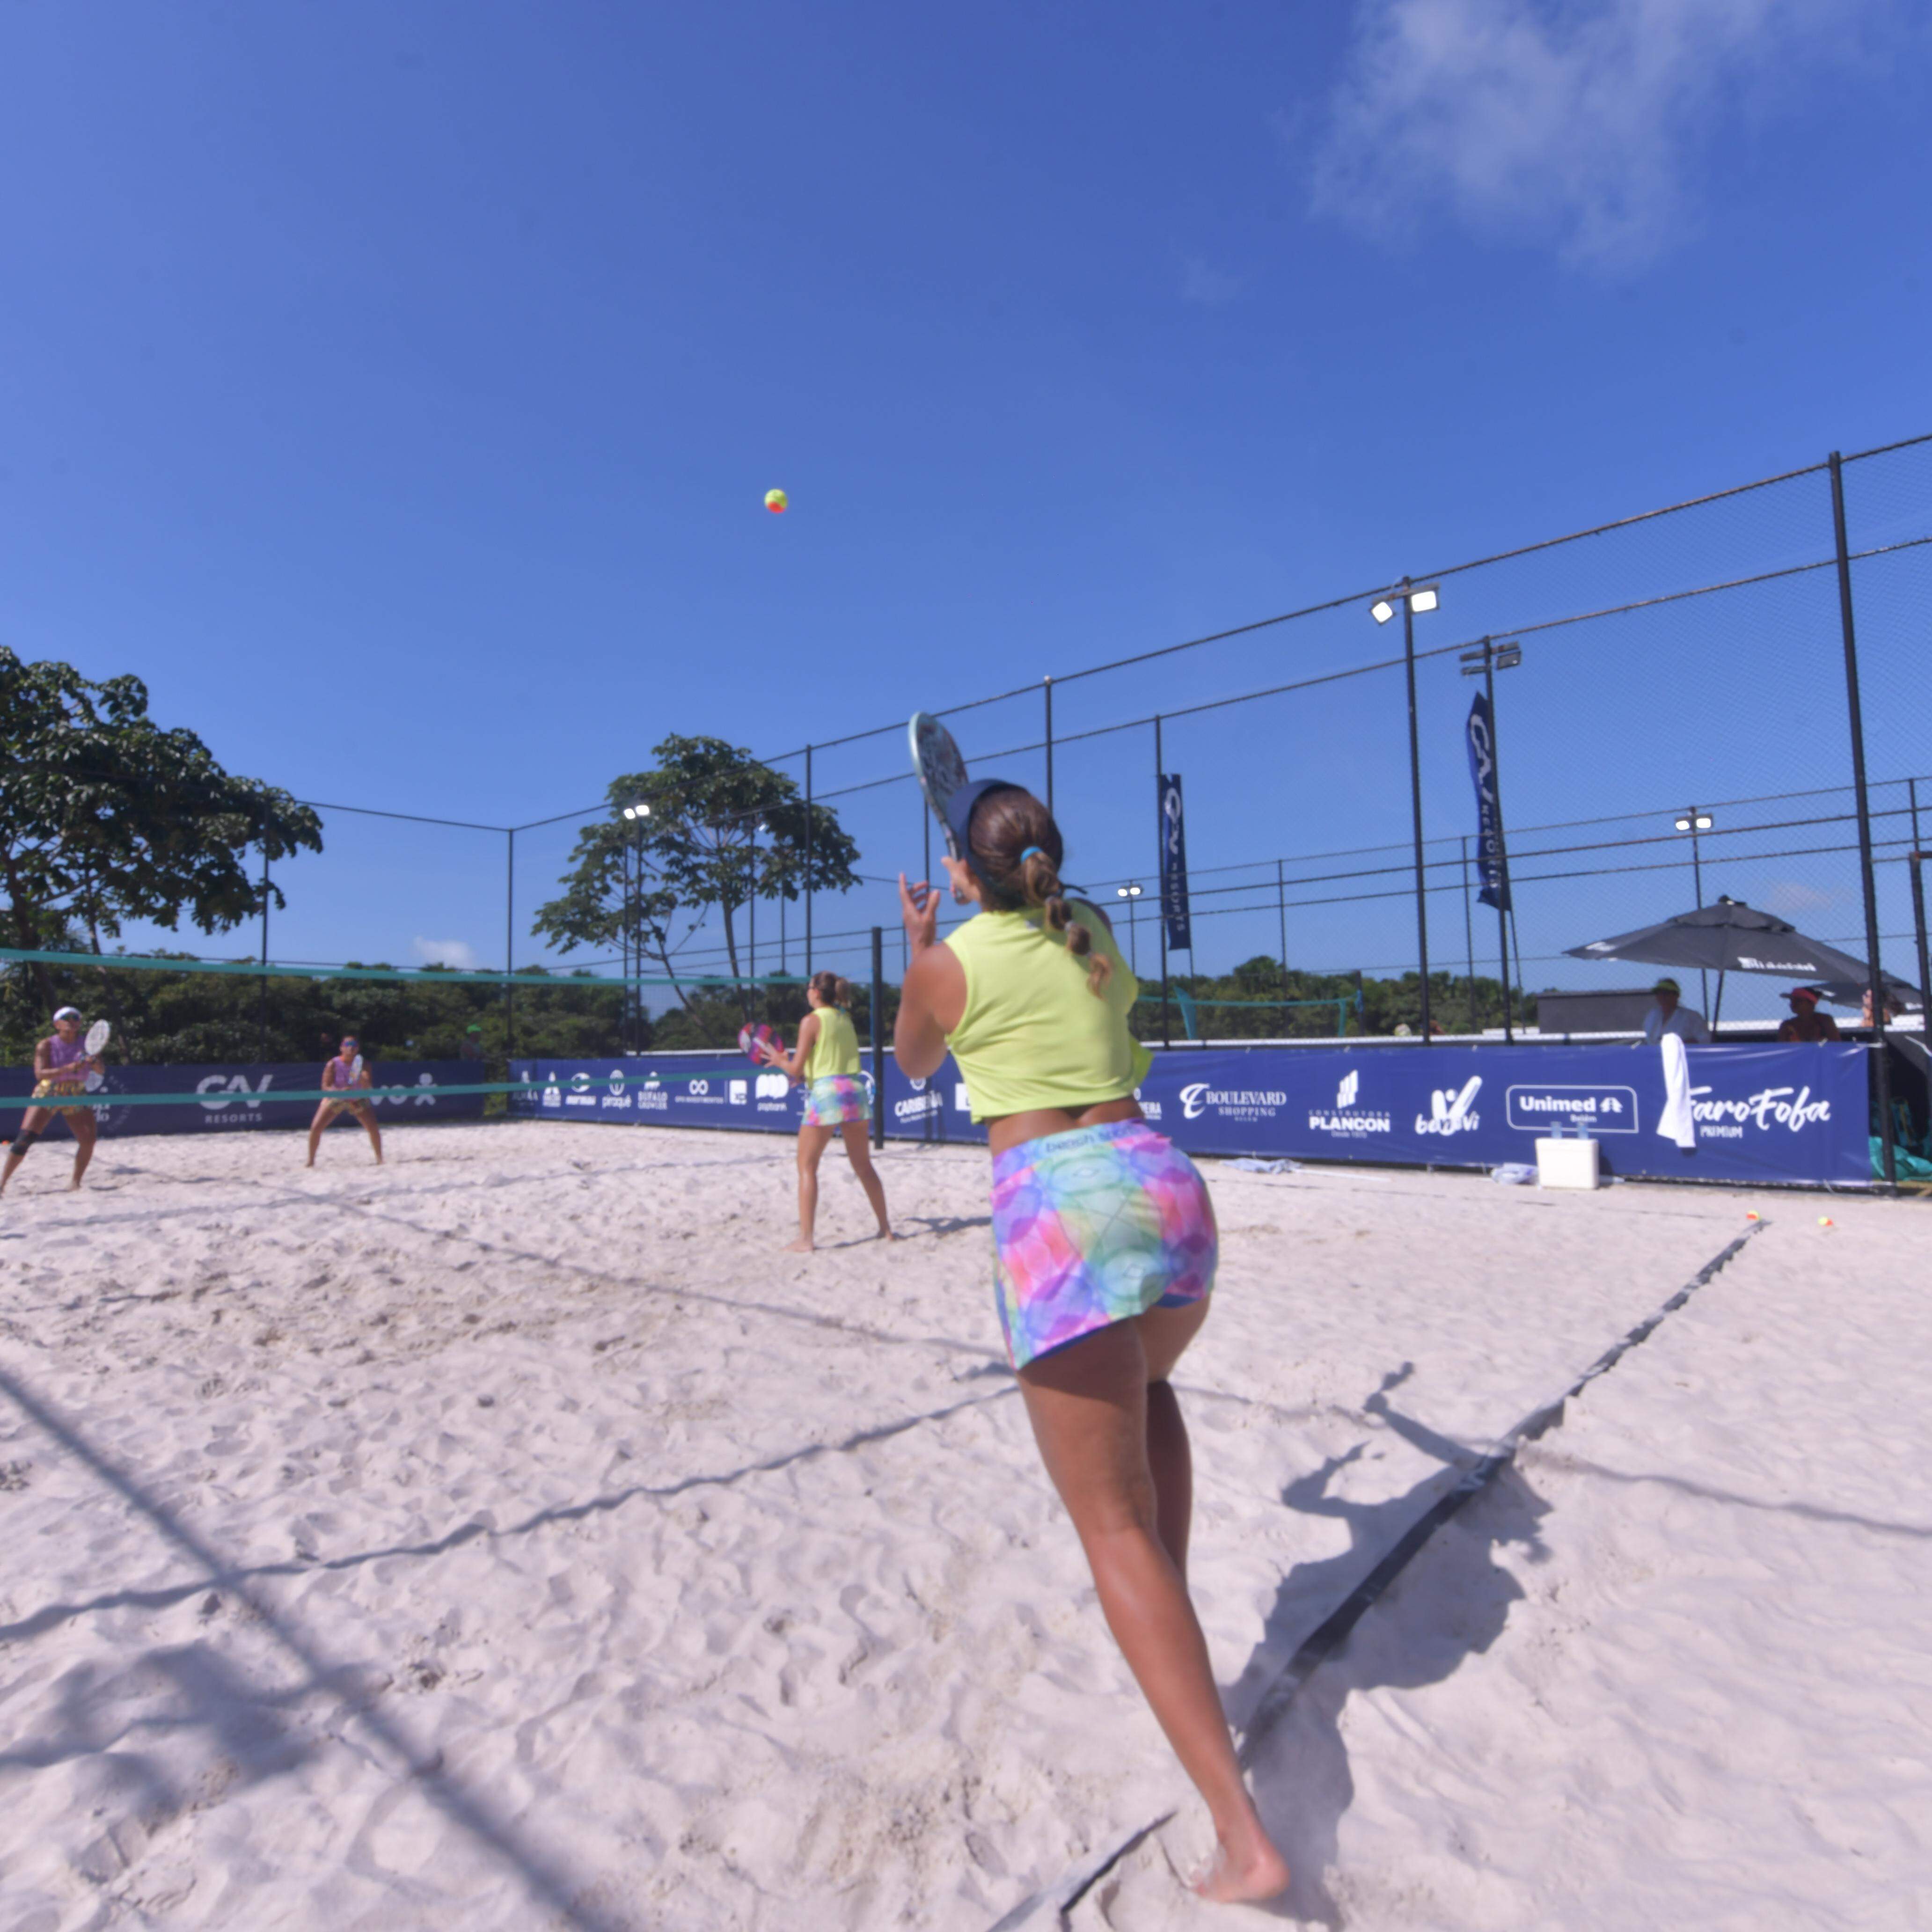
1675	1122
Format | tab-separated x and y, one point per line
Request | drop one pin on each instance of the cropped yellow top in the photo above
1032	1034
836	1049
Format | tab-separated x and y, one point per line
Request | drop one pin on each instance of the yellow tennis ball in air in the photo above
776	500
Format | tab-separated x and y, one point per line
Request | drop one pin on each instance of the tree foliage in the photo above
722	827
1264	1002
105	816
188	1017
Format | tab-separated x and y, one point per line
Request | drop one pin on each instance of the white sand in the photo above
578	1559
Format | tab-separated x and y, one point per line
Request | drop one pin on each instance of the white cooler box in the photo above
1567	1163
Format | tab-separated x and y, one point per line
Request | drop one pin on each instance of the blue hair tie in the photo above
1031	852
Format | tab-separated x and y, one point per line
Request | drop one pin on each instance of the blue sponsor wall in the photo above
1765	1114
241	1098
666	1092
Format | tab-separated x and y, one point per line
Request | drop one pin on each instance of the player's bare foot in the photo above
800	1246
887	1235
1255	1872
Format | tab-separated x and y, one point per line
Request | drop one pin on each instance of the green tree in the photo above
105	816
721	827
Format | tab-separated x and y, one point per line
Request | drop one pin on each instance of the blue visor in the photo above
959	810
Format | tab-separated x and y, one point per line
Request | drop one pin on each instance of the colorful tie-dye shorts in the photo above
833	1099
1094	1226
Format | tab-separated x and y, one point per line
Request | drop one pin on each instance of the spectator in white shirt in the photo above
1668	1016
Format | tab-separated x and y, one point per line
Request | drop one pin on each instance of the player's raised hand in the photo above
918	907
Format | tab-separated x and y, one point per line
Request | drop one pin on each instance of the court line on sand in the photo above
1048	1907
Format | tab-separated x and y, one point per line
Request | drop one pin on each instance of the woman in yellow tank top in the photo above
1105	1247
826	1063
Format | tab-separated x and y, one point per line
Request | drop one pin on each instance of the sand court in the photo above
511	1535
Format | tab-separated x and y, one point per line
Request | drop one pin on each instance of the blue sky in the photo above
394	389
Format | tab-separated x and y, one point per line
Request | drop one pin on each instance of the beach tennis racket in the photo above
752	1041
355	1069
942	771
97	1037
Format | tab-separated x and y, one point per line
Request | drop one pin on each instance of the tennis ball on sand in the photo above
776	500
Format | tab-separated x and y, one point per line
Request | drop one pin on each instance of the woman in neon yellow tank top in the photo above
826	1063
1106	1243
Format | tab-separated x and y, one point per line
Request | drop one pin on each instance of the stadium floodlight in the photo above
1694	821
1480	659
1127	891
638	811
1420	598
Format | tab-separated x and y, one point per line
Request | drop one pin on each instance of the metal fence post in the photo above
1281	913
878	1036
1415	800
1046	685
1866	873
262	1048
1469	936
808	862
1160	874
509	949
1916	860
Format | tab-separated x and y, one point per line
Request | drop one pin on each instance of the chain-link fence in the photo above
1677	721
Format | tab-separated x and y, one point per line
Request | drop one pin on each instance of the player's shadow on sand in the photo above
1450	1603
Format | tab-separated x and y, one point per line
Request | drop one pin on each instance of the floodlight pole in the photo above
509	949
1415	799
1502	850
1886	1130
808	862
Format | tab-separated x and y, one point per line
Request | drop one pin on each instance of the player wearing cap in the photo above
61	1064
1105	1247
1669	1016
1806	1023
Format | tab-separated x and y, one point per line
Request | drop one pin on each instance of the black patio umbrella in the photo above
1731	937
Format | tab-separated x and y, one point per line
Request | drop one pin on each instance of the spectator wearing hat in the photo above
1806	1023
1670	1015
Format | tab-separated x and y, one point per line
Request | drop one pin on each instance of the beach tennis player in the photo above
1105	1244
61	1063
346	1072
826	1063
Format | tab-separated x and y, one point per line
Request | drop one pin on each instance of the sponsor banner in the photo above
241	1099
1763	1113
1173	866
1491	867
665	1092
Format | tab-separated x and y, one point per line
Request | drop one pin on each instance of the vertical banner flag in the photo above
1491	866
1173	864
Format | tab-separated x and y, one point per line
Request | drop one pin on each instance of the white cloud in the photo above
1201	282
1792	898
445	952
1575	120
